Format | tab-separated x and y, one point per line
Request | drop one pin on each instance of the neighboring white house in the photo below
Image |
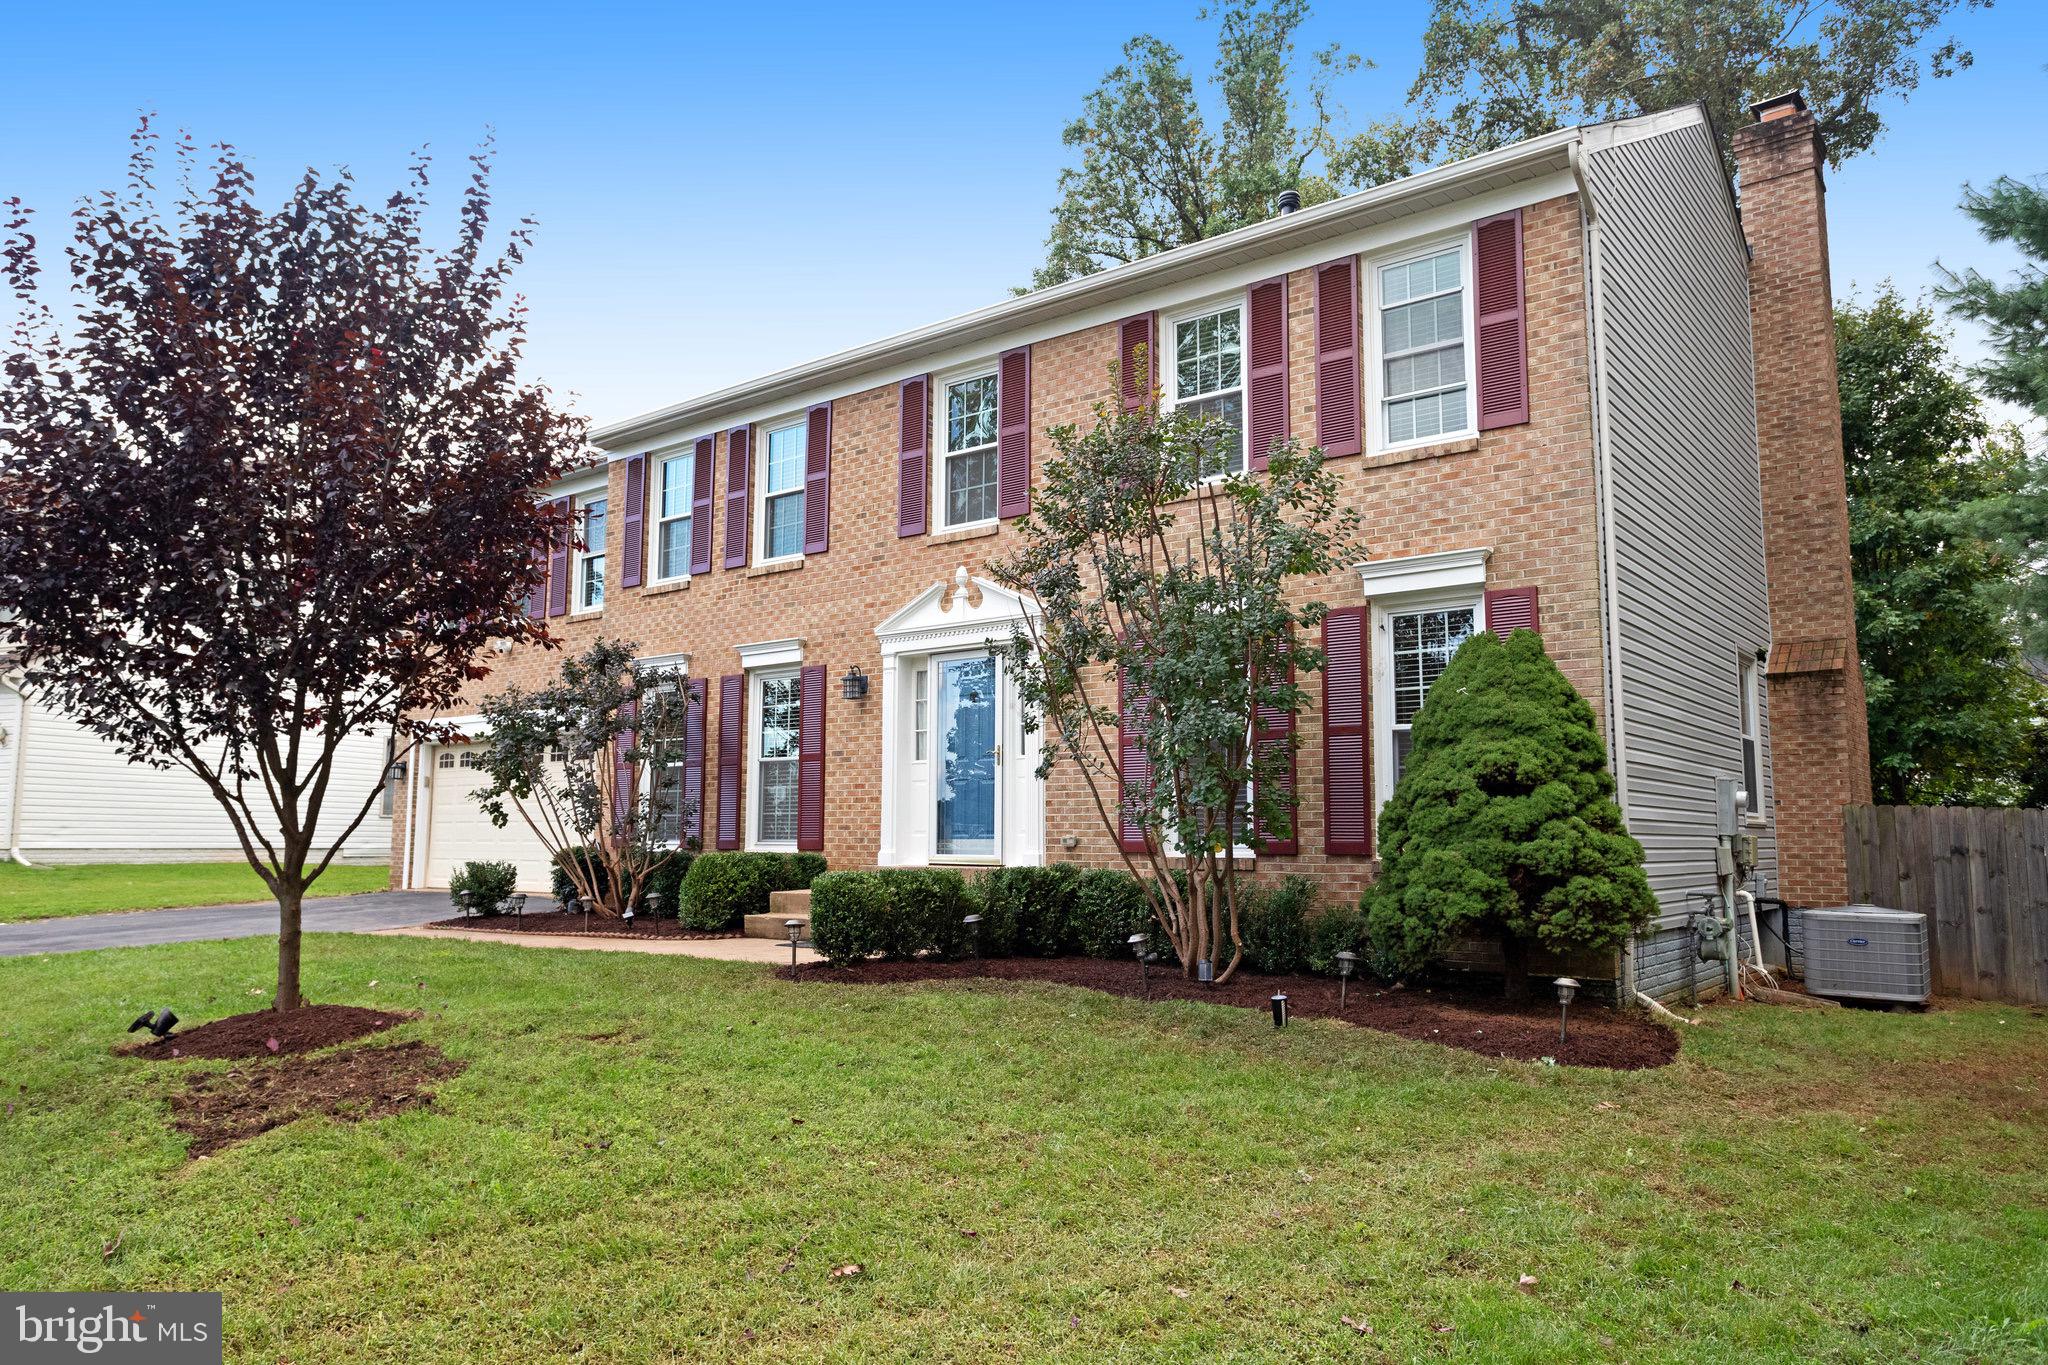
66	796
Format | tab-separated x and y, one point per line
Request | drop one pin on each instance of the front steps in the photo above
783	906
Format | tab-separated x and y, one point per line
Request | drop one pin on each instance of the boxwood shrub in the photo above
477	888
1027	910
894	912
1109	906
721	888
1273	920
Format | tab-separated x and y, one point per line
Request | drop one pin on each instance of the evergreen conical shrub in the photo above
1504	823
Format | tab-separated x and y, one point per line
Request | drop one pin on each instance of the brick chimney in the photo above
1820	741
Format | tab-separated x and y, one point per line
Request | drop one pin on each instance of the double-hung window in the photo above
967	473
1208	379
1424	389
590	554
1420	643
784	455
777	713
1750	681
672	525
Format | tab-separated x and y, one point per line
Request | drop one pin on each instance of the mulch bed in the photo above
1455	1016
251	1035
220	1108
555	922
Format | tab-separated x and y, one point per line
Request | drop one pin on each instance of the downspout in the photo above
412	810
20	774
1617	750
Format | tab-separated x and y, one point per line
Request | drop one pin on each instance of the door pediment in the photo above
950	615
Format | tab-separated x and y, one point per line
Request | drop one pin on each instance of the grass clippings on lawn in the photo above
355	1085
1472	1020
51	892
654	1158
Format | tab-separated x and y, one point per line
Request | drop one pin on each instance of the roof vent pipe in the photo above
1290	202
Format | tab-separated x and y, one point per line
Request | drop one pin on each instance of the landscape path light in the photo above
1137	944
795	928
973	923
519	904
1347	963
1280	1009
654	905
1566	989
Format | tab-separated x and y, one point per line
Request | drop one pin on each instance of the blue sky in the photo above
725	190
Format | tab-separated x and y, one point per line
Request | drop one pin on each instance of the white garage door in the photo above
459	832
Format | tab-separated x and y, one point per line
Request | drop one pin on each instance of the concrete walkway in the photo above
721	949
364	913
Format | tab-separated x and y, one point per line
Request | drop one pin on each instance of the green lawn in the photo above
658	1158
88	888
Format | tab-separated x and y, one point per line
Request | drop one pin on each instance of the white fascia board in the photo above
771	654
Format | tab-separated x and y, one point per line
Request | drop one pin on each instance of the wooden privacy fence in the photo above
1979	874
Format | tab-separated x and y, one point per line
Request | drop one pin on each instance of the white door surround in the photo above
965	616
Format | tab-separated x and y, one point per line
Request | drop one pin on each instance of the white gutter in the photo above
20	776
1339	217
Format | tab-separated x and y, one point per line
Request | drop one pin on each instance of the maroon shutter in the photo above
537	595
818	480
1133	333
732	707
622	770
1013	434
633	526
1273	733
700	506
1266	366
810	759
558	559
693	761
1347	771
1134	764
1503	350
1511	609
913	473
1337	391
738	468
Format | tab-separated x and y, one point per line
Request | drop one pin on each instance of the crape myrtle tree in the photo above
1162	592
1504	822
572	760
271	489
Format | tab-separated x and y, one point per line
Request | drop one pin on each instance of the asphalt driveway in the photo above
133	928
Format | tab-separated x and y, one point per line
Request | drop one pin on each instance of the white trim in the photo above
1168	364
1375	385
758	481
1438	571
989	368
651	517
1462	191
751	779
769	654
679	662
1384	608
942	617
1004	705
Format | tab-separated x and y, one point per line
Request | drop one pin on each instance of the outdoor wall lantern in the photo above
158	1022
973	923
1347	963
1280	1009
854	686
1566	989
795	928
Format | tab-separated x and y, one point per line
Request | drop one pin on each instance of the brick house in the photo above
1565	384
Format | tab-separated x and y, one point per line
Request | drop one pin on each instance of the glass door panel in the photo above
964	789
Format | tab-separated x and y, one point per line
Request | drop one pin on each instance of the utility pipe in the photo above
20	774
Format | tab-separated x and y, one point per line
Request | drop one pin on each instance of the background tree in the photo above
1498	71
573	759
1952	705
2016	316
272	490
1149	581
1504	821
1153	177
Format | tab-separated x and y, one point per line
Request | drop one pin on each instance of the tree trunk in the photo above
290	900
1514	961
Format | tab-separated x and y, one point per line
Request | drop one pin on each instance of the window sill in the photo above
1379	459
587	614
958	533
774	566
672	585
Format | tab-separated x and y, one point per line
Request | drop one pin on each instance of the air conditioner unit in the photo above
1866	952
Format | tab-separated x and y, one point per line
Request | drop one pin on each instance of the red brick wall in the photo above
1528	492
1820	745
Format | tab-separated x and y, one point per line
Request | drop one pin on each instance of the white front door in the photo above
966	758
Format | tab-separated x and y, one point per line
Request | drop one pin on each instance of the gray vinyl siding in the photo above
1685	508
